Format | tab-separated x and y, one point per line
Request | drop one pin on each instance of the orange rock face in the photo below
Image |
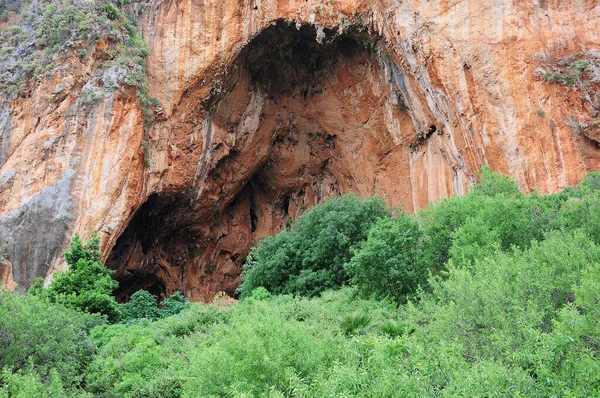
268	107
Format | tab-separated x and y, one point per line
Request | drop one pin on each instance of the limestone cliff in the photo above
267	107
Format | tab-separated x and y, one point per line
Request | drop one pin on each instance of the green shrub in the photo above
493	184
392	262
142	304
110	11
355	322
128	364
590	184
496	309
27	383
581	213
173	305
310	257
393	328
495	216
43	341
86	285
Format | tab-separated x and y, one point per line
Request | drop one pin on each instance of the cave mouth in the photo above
285	56
288	57
195	238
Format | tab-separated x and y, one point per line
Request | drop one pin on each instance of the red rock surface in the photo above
270	106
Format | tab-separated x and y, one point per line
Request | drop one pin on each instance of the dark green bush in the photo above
310	257
173	305
141	304
393	262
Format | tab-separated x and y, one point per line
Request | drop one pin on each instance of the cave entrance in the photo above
302	114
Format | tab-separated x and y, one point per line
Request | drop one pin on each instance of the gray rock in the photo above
34	235
5	129
114	77
6	177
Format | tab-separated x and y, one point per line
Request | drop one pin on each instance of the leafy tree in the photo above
589	185
391	263
499	223
493	184
142	304
581	213
441	221
173	305
494	216
86	285
310	257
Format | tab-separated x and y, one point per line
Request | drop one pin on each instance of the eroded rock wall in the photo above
269	106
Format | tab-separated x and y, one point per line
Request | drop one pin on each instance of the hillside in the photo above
492	294
184	132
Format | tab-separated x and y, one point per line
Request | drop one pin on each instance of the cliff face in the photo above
270	106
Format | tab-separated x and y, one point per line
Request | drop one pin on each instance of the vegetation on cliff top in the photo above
495	293
41	38
580	72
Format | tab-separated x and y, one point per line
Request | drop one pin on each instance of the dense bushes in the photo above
43	342
143	305
393	261
513	310
86	285
349	240
310	257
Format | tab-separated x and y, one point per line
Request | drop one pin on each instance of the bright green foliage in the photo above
86	285
496	308
513	311
42	341
142	304
355	322
27	384
499	223
394	328
311	256
582	213
130	364
134	360
493	184
392	262
496	216
260	293
173	305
